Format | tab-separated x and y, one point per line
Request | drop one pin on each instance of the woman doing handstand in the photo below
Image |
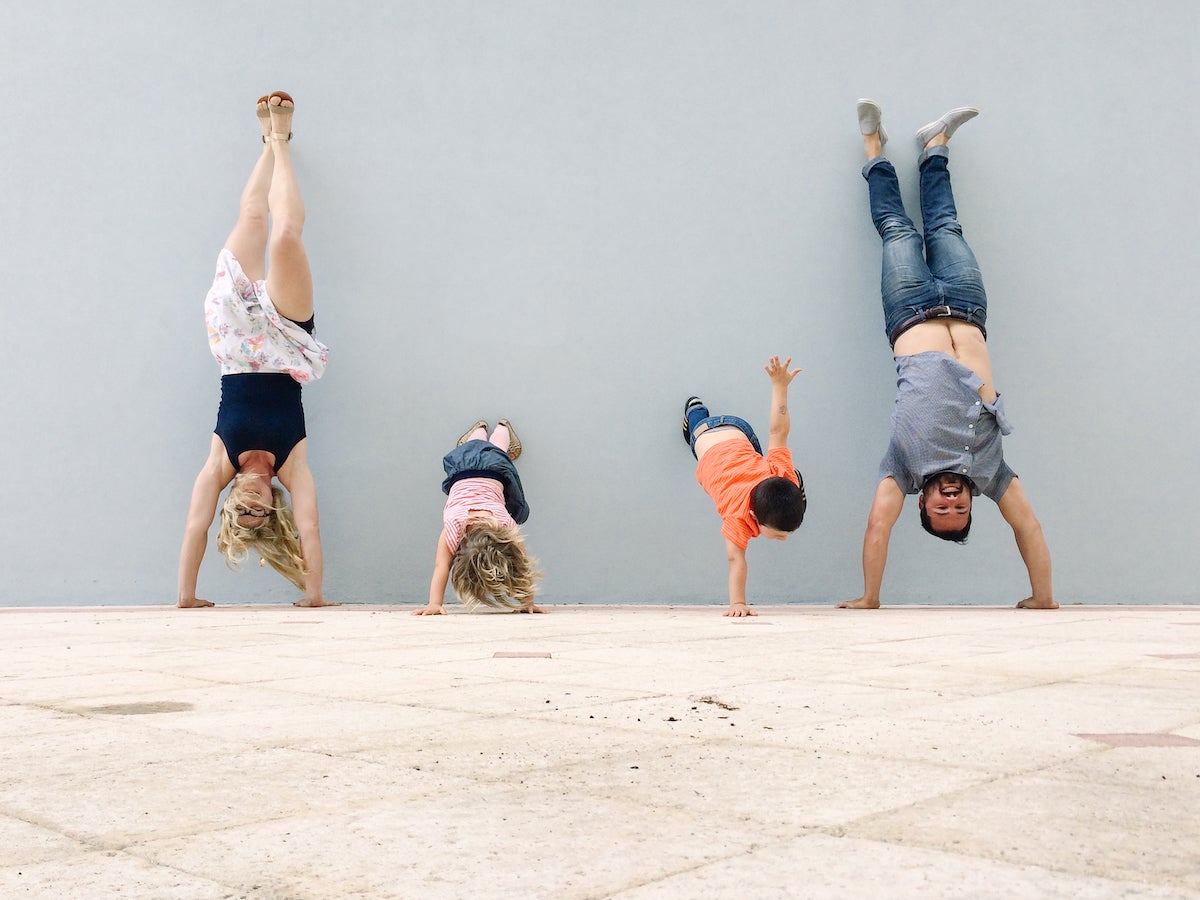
260	324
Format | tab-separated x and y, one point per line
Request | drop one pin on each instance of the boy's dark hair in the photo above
959	537
779	503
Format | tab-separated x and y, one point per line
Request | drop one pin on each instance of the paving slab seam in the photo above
129	842
1123	883
91	842
948	886
235	890
844	829
637	883
1142	880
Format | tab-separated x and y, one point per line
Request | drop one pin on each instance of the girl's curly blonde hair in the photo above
492	568
275	541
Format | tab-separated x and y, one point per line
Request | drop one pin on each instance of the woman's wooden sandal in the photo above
280	116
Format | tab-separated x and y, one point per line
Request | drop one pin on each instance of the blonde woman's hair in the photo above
275	541
492	568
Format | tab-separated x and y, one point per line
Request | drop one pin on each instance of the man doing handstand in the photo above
948	418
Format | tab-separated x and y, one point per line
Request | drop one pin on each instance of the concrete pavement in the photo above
627	752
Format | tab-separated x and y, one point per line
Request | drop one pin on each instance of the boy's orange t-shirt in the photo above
729	472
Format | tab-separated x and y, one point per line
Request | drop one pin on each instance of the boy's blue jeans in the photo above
699	421
923	278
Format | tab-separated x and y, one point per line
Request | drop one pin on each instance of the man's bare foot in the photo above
529	609
1030	603
739	610
263	110
860	603
312	603
194	603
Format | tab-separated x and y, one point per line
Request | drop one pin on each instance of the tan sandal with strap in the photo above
281	116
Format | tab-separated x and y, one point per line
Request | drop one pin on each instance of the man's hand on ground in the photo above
860	603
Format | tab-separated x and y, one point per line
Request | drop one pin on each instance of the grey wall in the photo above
576	214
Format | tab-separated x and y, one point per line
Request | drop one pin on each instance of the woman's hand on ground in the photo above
430	610
193	603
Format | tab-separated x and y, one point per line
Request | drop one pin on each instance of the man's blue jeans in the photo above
699	421
923	277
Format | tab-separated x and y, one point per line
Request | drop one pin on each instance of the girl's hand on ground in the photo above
778	372
738	610
430	610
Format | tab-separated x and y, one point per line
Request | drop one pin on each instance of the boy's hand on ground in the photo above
738	610
430	610
779	373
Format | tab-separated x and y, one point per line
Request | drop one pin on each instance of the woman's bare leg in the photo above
248	240
289	280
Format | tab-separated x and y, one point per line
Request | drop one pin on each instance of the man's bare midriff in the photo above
955	338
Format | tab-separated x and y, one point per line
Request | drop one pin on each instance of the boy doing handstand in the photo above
754	494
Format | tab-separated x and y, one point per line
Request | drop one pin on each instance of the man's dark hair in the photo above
959	537
779	503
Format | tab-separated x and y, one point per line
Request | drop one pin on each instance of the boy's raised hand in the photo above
779	373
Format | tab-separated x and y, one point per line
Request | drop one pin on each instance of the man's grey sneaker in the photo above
946	125
870	119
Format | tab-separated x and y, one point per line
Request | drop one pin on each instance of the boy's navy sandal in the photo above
688	406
